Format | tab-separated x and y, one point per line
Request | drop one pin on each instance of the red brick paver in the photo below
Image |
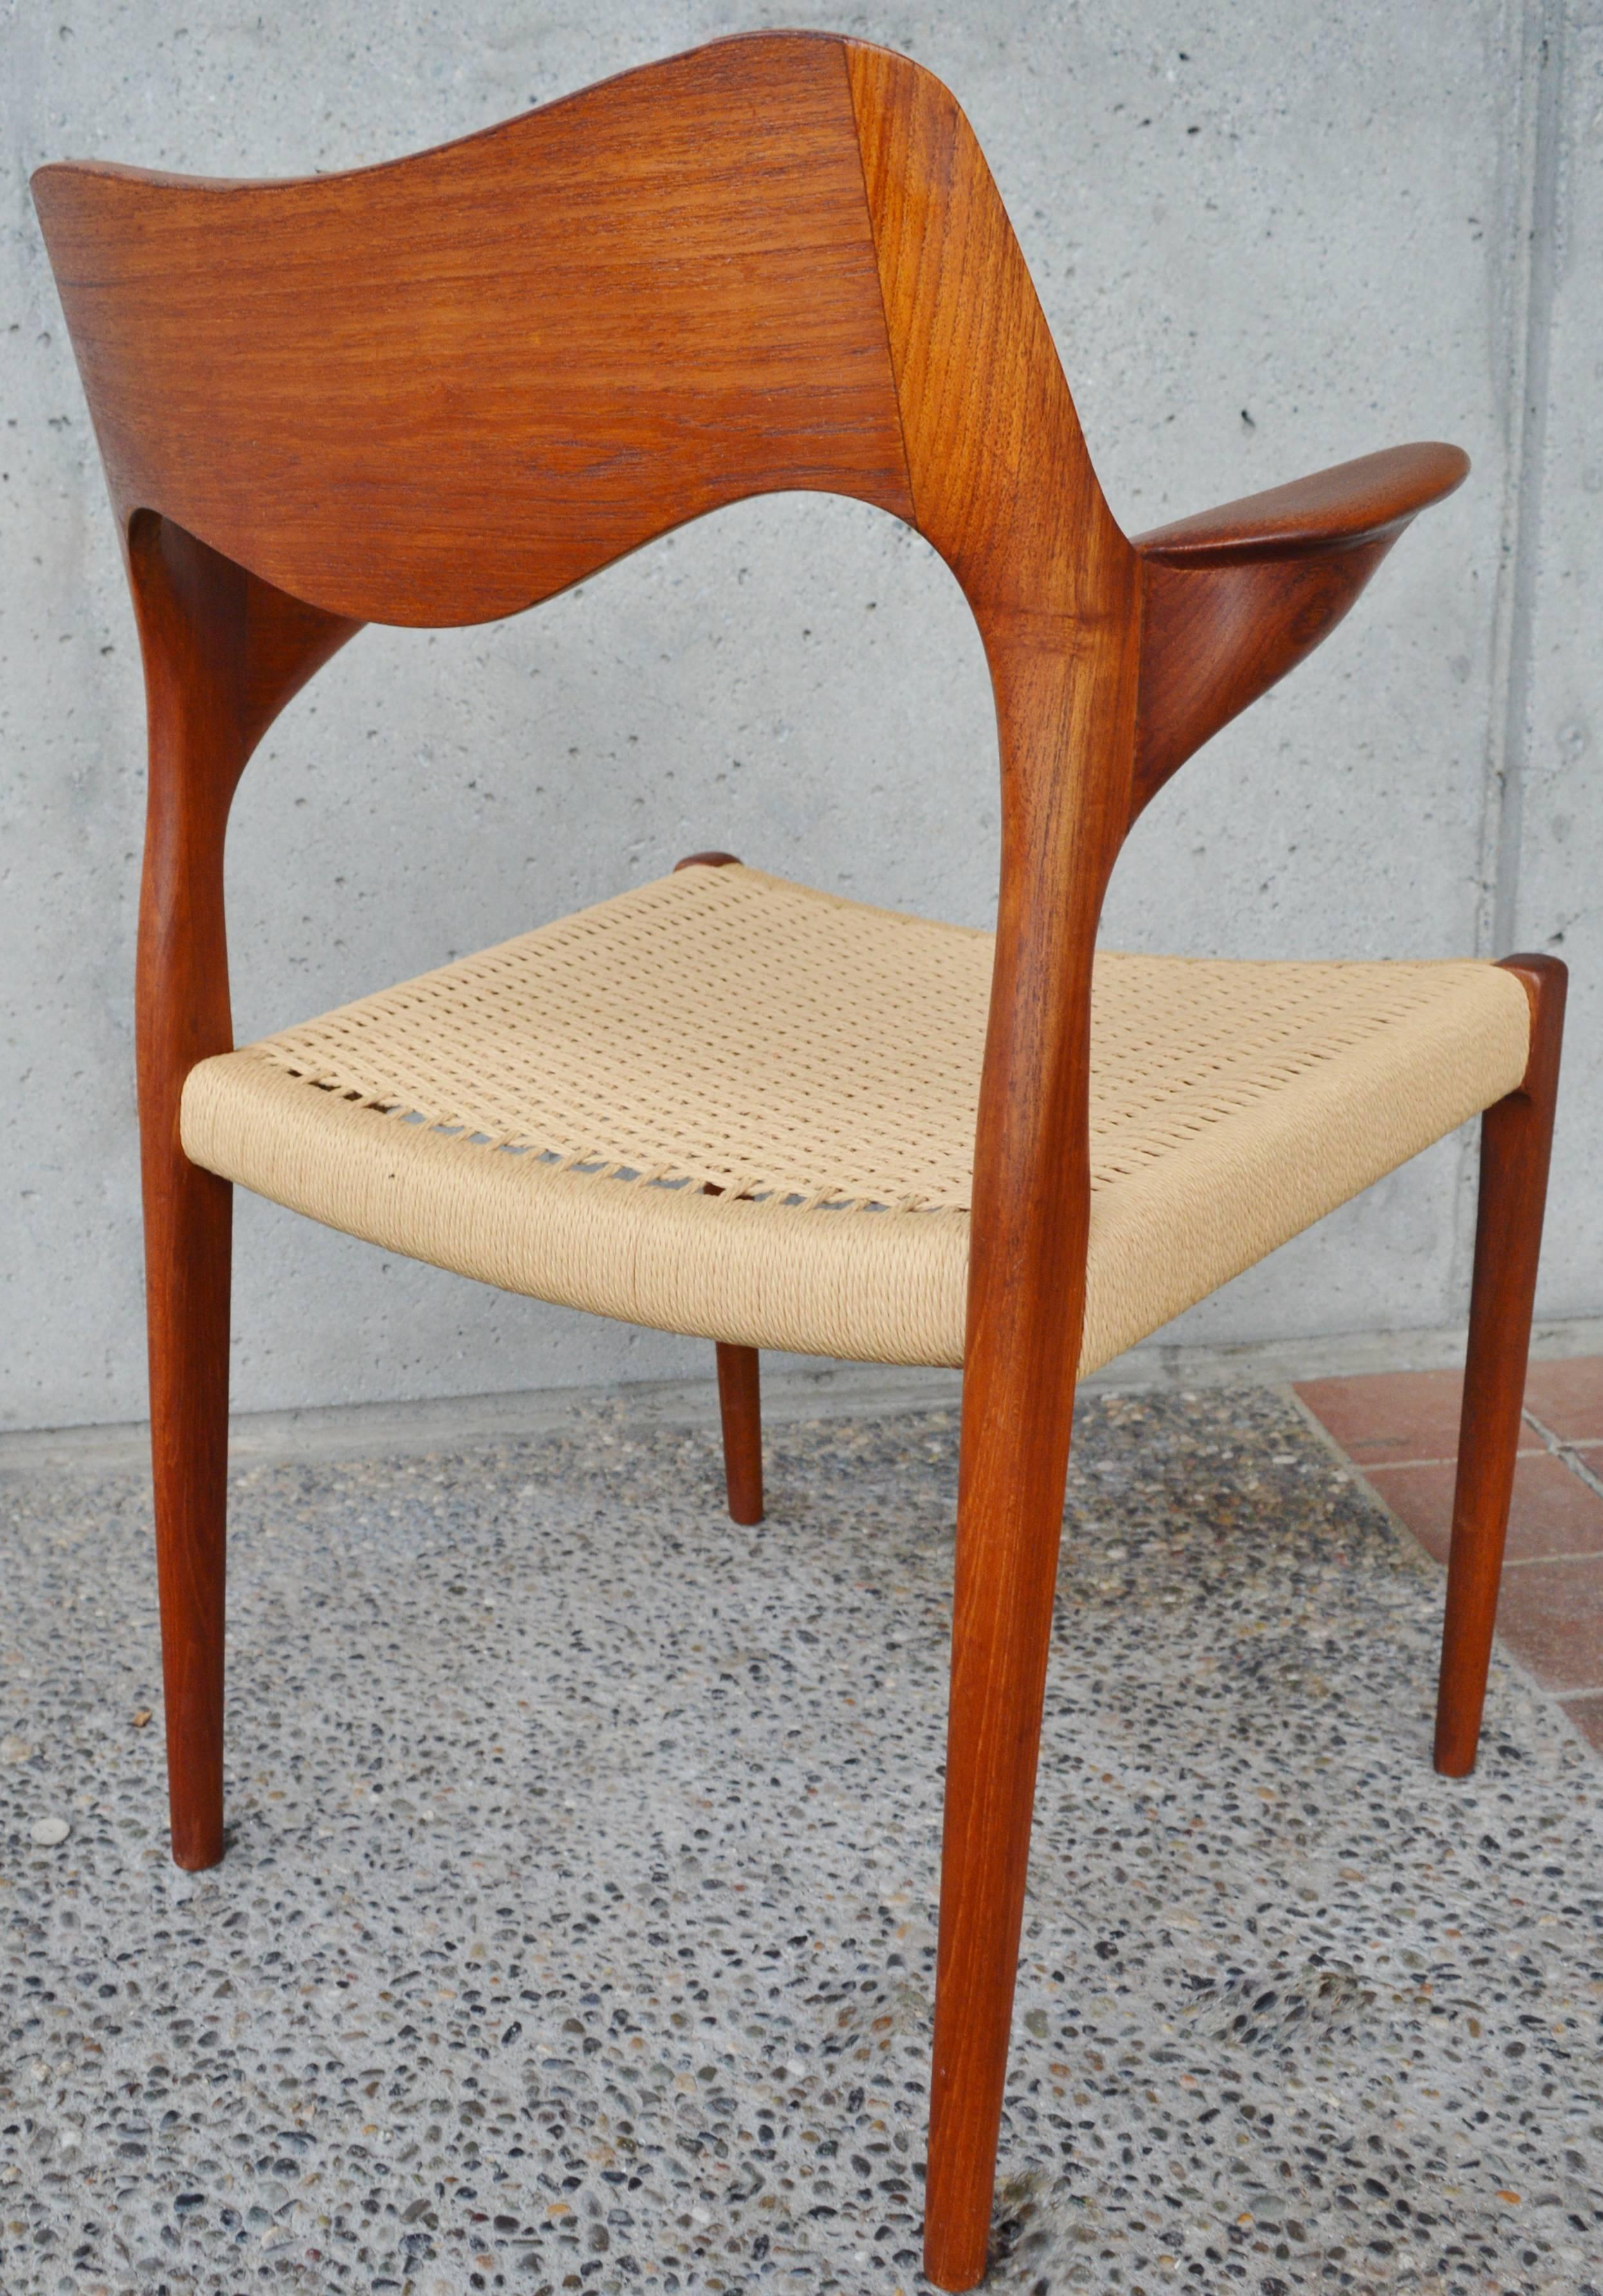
1400	1432
1552	1512
1384	1418
1587	1715
1567	1398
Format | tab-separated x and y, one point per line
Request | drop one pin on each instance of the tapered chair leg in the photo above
191	610
1515	1139
187	1232
1010	1526
223	653
740	1407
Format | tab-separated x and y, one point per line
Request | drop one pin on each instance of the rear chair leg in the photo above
223	653
740	1406
1516	1137
1009	1526
188	1222
739	1399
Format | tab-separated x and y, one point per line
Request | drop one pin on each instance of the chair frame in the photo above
285	464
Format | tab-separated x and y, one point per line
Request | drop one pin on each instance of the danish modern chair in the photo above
442	389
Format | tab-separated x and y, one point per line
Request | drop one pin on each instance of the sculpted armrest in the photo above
1234	597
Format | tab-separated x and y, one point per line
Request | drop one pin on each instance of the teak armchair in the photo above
442	389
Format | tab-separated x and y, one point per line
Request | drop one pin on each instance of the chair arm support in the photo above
1235	597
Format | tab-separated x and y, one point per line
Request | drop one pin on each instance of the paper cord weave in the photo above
548	1114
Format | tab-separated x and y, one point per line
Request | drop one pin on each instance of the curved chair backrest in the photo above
438	390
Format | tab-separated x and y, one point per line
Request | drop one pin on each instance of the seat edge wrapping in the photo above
884	1286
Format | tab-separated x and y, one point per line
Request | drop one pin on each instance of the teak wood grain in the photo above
440	390
1517	1140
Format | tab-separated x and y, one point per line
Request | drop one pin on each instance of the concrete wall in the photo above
1267	236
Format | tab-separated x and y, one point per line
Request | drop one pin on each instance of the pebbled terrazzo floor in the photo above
576	1931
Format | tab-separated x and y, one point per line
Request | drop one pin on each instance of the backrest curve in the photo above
314	596
441	389
173	179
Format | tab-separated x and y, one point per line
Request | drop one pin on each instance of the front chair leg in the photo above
1516	1137
740	1408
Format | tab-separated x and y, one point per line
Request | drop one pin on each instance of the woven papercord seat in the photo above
548	1115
